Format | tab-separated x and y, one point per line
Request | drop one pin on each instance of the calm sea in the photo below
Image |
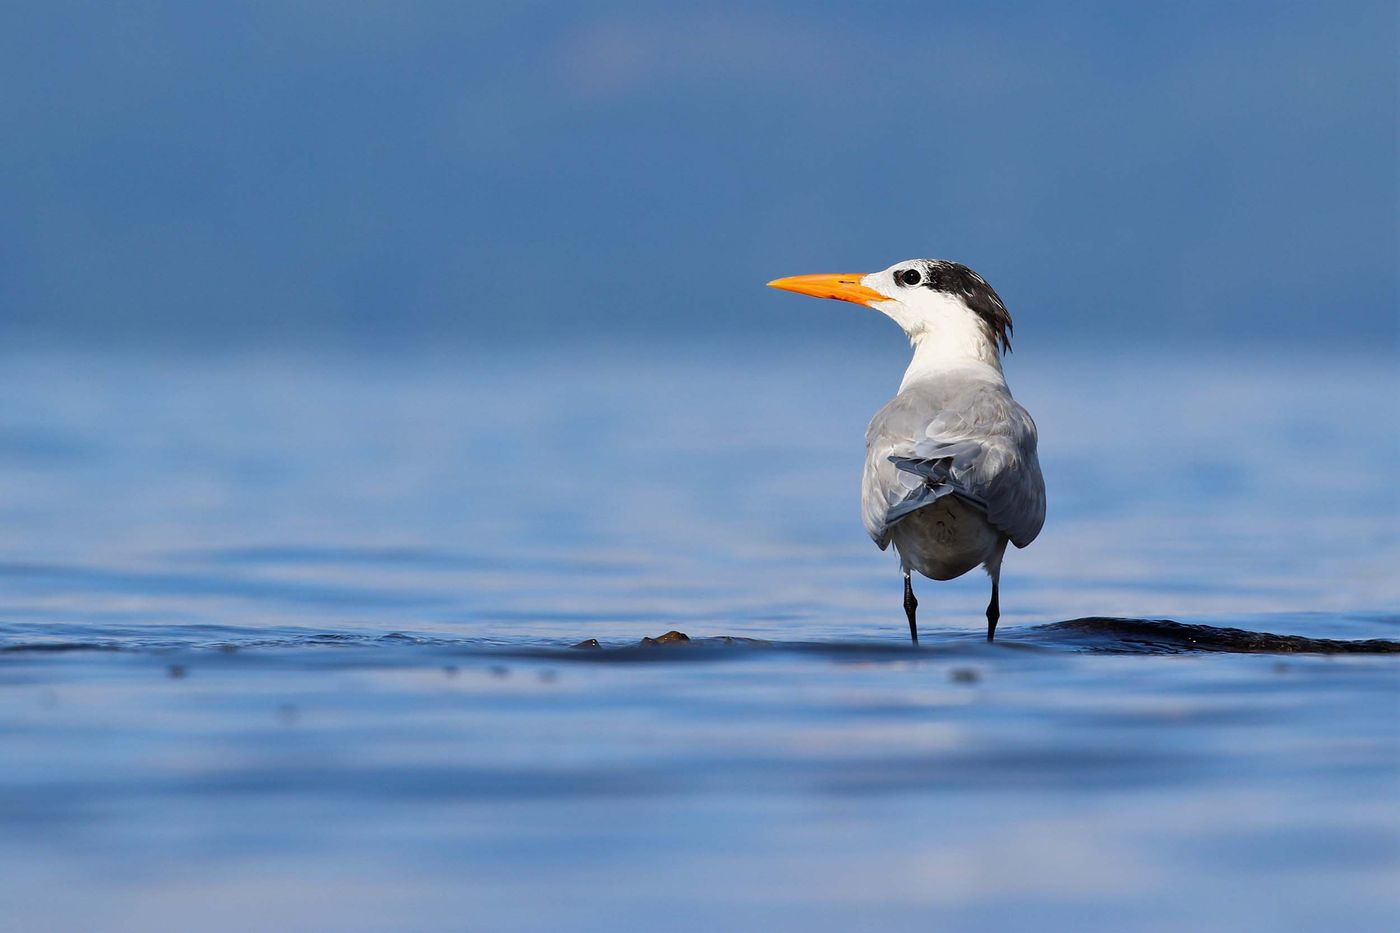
286	643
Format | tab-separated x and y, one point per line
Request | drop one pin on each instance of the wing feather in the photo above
954	436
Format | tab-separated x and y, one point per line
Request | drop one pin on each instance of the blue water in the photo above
286	643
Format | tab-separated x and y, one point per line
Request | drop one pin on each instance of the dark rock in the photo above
670	638
588	643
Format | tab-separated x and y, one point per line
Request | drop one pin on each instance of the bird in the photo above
951	470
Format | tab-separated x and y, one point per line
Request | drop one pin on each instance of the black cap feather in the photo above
955	278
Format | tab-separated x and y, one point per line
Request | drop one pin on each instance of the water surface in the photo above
288	643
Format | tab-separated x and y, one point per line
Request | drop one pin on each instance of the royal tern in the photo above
951	472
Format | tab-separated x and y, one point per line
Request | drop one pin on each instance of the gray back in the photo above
957	433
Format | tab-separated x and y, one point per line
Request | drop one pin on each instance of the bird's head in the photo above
931	299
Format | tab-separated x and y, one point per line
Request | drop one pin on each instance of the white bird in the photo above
951	472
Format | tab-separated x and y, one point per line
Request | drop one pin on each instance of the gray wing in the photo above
967	438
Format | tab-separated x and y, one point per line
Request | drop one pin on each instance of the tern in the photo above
951	472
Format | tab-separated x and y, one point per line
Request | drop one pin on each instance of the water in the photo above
286	643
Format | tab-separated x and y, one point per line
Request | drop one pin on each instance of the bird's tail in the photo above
938	481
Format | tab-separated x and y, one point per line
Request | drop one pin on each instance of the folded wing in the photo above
954	437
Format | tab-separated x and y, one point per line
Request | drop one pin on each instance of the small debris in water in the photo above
964	675
588	643
498	670
670	638
176	671
548	677
449	670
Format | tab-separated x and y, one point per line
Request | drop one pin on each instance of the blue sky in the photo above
414	174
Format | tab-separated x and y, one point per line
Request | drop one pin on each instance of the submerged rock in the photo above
670	638
735	640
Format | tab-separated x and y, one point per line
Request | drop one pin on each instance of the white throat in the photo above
945	338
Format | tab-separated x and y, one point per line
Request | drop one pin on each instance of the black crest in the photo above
957	279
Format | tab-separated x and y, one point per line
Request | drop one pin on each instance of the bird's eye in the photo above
908	277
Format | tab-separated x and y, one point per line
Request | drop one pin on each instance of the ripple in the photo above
1096	635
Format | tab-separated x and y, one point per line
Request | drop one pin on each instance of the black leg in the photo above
910	604
993	612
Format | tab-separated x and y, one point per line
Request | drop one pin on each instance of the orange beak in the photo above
843	286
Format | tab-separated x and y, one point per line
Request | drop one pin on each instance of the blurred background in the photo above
356	358
426	174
